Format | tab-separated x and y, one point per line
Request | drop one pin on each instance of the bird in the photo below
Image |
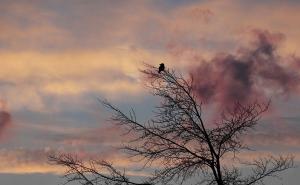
161	67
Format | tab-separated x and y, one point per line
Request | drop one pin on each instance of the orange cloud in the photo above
110	72
22	161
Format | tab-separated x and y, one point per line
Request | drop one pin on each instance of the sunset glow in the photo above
58	57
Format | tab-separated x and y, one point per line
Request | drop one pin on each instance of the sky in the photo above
58	57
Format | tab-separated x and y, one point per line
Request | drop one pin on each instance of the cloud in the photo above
28	25
252	73
111	73
5	119
275	134
102	141
22	160
55	26
225	31
55	55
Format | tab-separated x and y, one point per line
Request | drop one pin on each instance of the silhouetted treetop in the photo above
180	141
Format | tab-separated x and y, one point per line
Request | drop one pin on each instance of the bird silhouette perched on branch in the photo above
161	67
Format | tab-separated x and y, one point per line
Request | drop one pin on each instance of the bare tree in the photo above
180	141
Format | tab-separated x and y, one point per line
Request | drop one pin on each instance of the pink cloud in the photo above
252	73
5	119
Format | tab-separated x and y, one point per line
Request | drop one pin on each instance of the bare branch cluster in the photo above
94	172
